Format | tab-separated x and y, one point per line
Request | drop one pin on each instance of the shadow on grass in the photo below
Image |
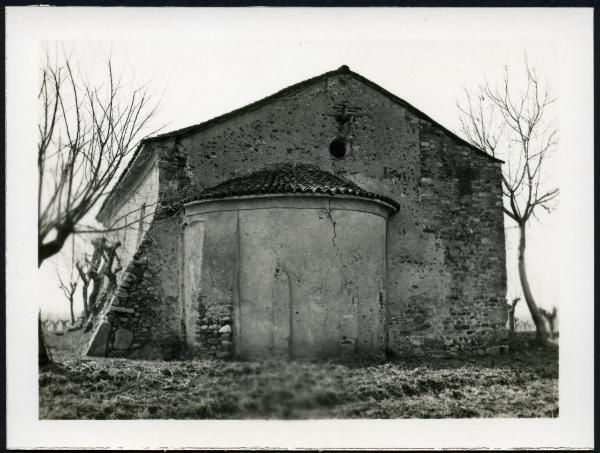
519	384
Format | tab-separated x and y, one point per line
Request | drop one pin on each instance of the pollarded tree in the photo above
512	124
511	314
104	267
550	316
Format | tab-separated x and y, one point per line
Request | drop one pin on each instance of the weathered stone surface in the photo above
225	329
99	344
122	309
123	339
496	350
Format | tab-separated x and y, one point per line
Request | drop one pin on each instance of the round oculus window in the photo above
338	148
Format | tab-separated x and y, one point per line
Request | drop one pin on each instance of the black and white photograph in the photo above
254	224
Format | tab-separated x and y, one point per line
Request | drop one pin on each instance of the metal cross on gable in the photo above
344	114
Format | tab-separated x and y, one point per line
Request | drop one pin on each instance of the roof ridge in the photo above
257	103
344	69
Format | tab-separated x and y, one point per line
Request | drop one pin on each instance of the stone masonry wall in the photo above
209	273
445	249
461	221
446	265
143	319
213	331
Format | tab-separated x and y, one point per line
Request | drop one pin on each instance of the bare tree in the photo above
106	264
512	124
95	272
68	290
550	316
83	271
523	326
101	271
112	265
68	285
86	132
511	314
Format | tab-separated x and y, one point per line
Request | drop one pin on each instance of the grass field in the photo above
520	384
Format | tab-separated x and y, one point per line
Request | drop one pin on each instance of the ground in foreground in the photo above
520	384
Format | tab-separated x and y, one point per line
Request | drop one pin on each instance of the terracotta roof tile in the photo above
288	178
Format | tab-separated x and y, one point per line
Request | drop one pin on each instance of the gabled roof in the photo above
289	178
341	70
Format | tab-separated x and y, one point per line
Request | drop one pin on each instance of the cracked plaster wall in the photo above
301	277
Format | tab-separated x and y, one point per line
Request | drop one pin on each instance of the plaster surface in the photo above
309	274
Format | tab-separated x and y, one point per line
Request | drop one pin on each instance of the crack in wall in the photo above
283	278
290	340
328	212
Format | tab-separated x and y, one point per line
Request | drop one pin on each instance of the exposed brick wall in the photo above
446	259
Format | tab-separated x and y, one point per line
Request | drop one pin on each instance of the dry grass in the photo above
523	384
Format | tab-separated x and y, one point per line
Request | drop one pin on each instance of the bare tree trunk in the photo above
551	318
551	321
110	253
536	316
84	288
44	356
84	291
511	314
48	249
97	279
72	313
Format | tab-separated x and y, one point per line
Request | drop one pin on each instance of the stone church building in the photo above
330	219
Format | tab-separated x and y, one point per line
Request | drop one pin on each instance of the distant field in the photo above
520	384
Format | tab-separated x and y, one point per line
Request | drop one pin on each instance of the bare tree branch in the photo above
86	133
511	124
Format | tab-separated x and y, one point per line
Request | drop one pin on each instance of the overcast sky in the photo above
206	76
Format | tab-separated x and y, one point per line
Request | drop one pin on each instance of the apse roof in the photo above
289	178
